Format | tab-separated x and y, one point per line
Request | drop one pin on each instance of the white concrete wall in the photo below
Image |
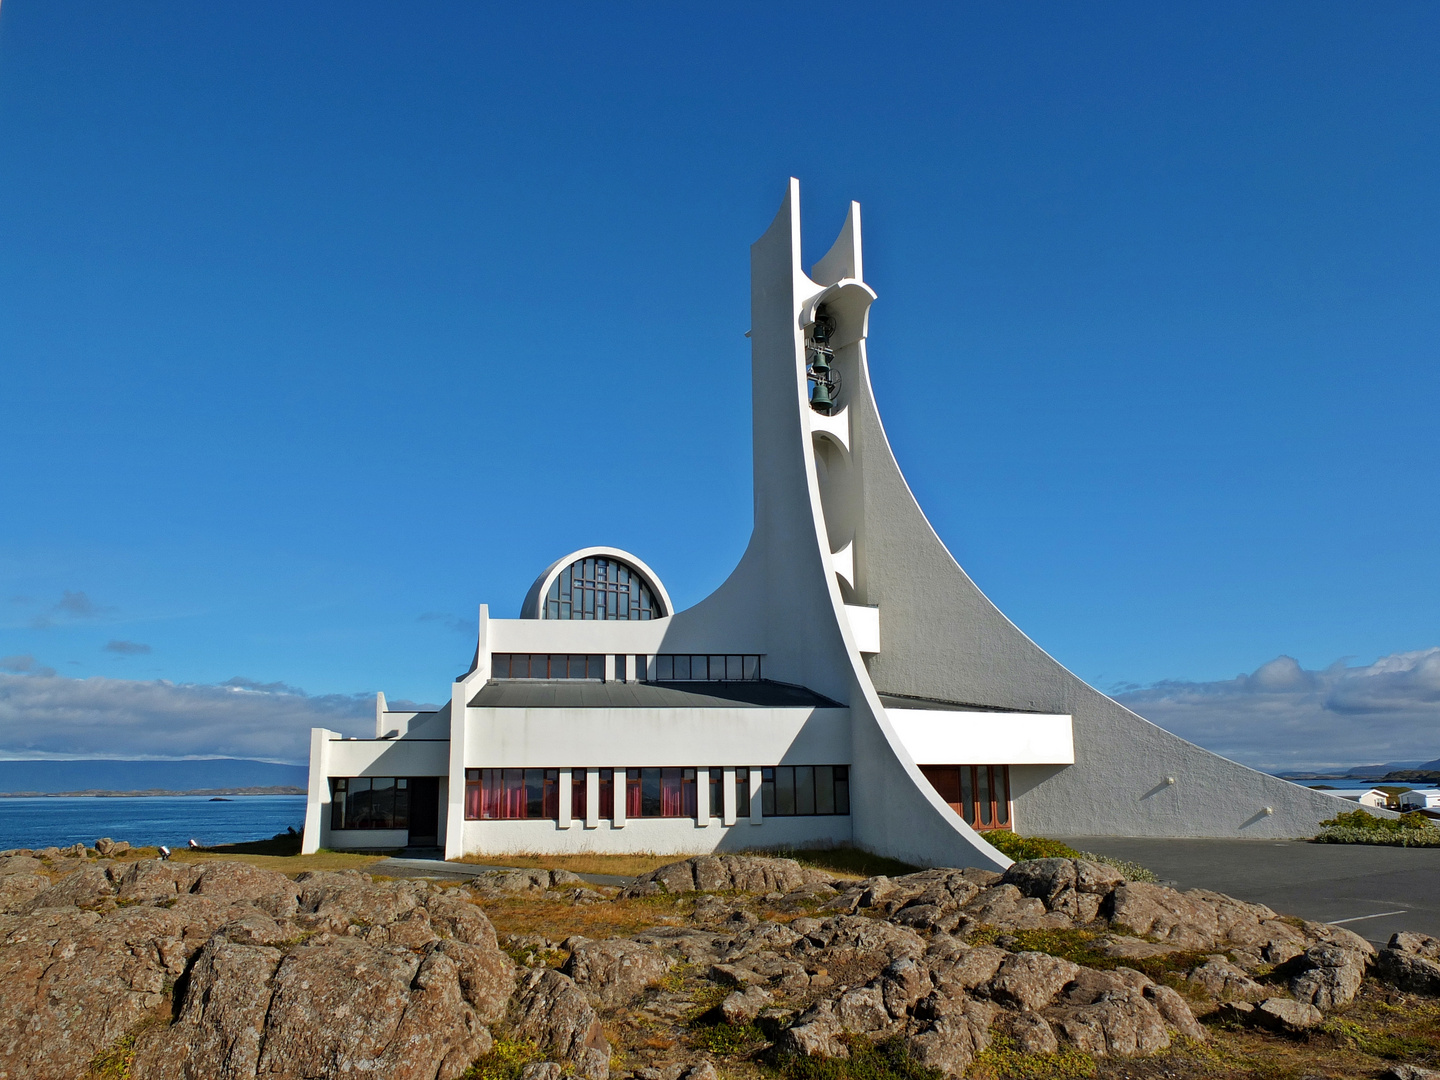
634	738
660	836
388	757
942	737
945	640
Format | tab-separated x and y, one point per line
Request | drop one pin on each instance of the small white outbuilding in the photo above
1364	796
1427	798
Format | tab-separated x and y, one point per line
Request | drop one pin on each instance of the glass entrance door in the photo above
424	811
978	793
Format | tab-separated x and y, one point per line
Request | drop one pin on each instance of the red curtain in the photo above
672	798
632	793
473	800
490	790
512	803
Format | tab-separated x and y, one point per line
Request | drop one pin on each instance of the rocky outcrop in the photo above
721	873
321	976
1223	981
614	971
220	969
550	1010
1332	975
1411	962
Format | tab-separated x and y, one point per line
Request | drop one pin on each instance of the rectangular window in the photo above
579	794
547	666
803	790
677	793
534	793
784	791
511	794
824	789
717	791
620	665
369	802
742	792
682	667
650	801
632	793
551	809
607	793
338	791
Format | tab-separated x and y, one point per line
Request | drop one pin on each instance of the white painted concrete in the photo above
661	836
551	738
940	737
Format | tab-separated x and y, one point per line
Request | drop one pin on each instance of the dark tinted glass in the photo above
824	789
650	793
784	791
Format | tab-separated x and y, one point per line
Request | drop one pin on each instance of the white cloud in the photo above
1283	716
43	714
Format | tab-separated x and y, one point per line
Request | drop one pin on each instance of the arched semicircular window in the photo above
600	588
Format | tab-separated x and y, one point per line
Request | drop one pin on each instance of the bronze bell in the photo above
820	366
820	400
824	326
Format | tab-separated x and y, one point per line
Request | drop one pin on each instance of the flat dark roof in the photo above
590	694
904	701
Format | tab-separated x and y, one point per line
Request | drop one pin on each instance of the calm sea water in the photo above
147	820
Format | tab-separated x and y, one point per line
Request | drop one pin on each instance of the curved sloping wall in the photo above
943	639
784	585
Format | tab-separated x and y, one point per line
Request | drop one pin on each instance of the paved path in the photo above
452	871
1374	891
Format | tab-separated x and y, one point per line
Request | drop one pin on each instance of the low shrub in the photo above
1020	848
1359	827
1360	819
1385	837
1002	1061
505	1061
887	1060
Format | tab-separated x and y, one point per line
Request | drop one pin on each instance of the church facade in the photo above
847	684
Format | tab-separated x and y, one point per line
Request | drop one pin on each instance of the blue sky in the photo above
322	324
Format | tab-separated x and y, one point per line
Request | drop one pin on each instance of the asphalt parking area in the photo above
1371	890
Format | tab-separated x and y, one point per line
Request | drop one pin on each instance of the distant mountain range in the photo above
1368	772
210	775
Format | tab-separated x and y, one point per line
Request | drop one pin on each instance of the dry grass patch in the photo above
286	864
619	865
557	920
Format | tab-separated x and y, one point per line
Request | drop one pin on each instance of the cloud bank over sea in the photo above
1283	717
1280	717
43	714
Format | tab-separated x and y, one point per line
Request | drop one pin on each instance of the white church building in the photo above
847	684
